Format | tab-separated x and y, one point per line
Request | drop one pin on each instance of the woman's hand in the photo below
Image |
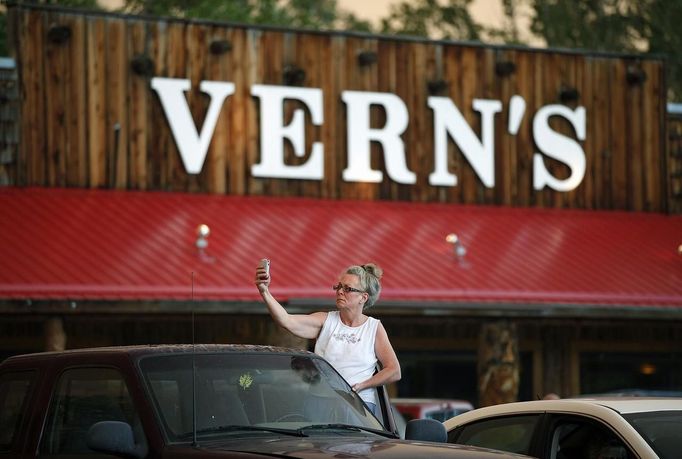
262	278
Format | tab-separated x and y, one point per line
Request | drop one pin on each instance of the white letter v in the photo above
191	144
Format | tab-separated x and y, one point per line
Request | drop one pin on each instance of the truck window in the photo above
82	397
14	390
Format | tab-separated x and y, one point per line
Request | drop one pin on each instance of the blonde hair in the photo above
369	275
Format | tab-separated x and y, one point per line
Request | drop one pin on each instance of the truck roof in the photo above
140	350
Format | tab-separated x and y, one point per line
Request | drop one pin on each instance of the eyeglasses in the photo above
346	288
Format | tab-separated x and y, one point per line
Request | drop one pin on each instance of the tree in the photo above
601	25
611	25
311	14
661	22
432	18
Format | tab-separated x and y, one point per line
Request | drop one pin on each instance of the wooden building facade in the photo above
93	115
95	121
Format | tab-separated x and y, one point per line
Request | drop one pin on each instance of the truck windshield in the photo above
275	391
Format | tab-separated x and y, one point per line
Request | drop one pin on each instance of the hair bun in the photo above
373	269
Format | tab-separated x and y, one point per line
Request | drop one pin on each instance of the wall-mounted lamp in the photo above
679	249
220	47
142	65
460	250
437	86
504	68
366	58
203	232
293	76
648	369
58	34
634	75
568	94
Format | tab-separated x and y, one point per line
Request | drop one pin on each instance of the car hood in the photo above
347	446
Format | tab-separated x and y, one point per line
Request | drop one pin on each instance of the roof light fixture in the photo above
459	248
635	75
293	75
203	232
568	94
504	68
142	65
220	47
437	86
367	58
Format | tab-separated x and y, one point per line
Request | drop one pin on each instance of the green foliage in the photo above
432	18
615	25
315	14
603	25
662	30
349	21
81	4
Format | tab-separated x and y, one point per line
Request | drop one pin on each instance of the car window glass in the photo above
510	433
661	429
83	397
583	439
14	388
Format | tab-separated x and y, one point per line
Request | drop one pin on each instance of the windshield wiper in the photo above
237	428
354	428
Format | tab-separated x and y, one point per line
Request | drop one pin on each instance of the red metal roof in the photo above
100	245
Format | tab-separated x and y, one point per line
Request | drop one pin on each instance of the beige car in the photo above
595	428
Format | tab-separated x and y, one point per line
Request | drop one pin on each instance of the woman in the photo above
347	338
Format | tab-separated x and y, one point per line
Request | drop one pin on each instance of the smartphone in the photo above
266	264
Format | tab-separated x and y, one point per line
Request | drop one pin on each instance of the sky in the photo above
486	12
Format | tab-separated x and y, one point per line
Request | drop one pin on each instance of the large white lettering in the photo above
447	119
192	145
448	122
360	135
273	132
559	147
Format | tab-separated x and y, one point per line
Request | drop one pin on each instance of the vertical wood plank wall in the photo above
91	119
675	163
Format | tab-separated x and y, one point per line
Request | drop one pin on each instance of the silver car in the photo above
597	428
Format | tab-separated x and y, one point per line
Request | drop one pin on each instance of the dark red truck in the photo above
174	401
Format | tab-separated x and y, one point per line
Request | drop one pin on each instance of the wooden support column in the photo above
55	337
557	361
498	363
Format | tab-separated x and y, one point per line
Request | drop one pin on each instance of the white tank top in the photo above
350	350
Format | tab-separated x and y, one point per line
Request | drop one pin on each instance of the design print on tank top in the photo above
350	338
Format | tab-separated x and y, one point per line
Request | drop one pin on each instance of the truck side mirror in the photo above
113	437
426	430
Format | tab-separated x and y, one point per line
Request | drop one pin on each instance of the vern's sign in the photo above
448	123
